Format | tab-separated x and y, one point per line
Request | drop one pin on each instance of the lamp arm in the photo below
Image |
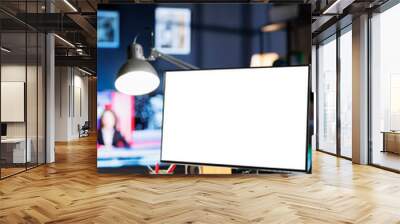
155	54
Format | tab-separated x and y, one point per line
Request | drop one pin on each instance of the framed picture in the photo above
173	30
107	29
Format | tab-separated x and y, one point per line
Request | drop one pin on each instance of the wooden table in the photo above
391	141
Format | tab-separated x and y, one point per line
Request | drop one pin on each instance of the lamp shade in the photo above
263	59
136	76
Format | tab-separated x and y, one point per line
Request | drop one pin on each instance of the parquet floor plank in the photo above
71	191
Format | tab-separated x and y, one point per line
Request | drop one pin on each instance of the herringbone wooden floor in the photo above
71	191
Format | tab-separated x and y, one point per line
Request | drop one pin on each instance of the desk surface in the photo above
13	140
390	132
121	157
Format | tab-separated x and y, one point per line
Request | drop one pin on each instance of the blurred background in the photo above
204	35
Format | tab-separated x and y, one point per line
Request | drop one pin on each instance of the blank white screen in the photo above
255	117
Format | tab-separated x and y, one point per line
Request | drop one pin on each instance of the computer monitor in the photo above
249	117
3	130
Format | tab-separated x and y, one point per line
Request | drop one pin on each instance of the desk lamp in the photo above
137	76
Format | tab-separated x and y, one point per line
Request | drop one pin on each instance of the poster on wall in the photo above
172	34
107	29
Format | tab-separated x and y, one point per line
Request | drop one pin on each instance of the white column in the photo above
314	90
50	98
360	90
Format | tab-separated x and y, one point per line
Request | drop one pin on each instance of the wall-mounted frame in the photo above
108	29
13	98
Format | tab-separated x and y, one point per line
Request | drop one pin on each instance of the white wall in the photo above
80	102
71	102
61	103
12	73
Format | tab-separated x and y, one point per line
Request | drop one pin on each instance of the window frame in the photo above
333	37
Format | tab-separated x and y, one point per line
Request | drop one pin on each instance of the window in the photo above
22	101
327	96
346	92
385	89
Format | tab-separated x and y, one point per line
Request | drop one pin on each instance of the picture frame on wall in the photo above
172	30
107	29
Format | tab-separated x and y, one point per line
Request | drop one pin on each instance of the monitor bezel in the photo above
309	125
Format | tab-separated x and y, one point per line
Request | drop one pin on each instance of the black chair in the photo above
84	129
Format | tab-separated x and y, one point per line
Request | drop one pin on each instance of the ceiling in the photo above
75	21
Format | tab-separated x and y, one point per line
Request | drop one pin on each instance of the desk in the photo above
130	157
13	150
391	141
